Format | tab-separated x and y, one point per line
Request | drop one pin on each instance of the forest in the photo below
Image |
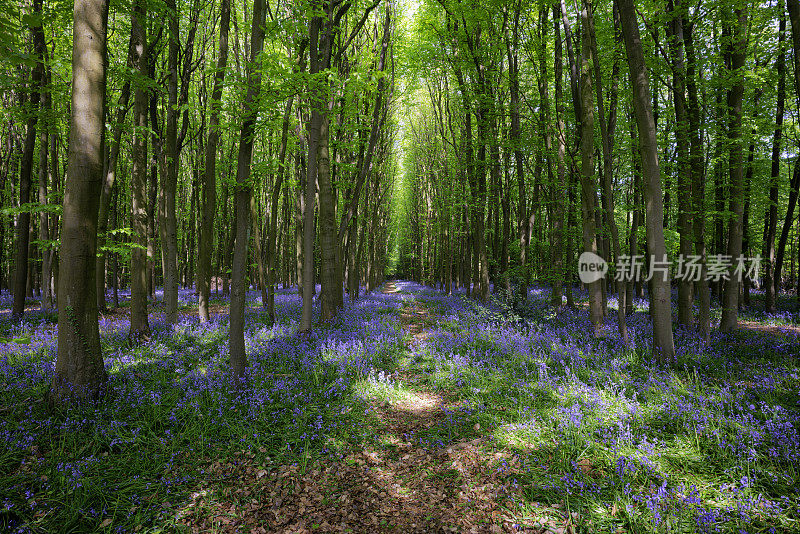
400	266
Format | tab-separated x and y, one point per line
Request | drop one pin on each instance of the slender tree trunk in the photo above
663	345
675	42
515	134
314	126
636	215
256	225
273	223
115	263
79	372
206	244
110	176
140	326
242	197
607	130
698	183
737	52
170	181
794	18
559	188
788	221
45	136
771	216
584	109
26	168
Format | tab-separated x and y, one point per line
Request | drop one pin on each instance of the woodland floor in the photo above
414	411
401	487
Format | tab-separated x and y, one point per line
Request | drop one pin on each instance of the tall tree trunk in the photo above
515	133
45	137
79	372
272	250
110	176
206	244
663	344
140	326
584	109
794	18
771	215
636	216
26	168
170	181
314	126
675	42
242	197
698	182
607	130
559	188
737	51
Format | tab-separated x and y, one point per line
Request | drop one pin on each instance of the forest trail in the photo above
403	486
404	483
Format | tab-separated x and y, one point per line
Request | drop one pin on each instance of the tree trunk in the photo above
206	244
273	222
583	101
607	130
559	188
515	134
675	42
242	197
140	326
737	51
698	183
794	18
663	345
771	216
26	168
79	372
170	181
262	278
110	176
46	137
787	223
314	126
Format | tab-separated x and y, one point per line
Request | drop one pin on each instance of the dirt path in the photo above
399	487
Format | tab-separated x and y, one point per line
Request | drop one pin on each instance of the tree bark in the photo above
314	125
607	129
238	357
663	344
515	132
676	48
26	168
273	222
46	141
206	244
140	326
698	183
737	52
771	215
794	18
559	188
79	371
581	83
170	182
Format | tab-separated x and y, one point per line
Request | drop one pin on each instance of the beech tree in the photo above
663	345
79	371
